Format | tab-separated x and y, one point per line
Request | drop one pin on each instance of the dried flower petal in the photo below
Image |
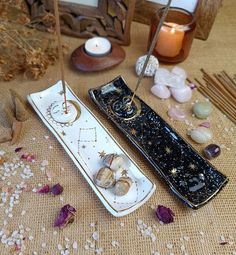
44	190
57	189
18	149
164	214
192	86
65	216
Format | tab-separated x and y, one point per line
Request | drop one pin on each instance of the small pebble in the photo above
202	109
176	114
212	151
151	68
201	135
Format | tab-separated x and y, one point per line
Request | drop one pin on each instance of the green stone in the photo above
202	110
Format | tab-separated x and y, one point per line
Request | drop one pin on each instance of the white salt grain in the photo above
23	213
59	247
46	137
54	233
67	239
95	235
140	222
169	246
186	238
44	245
43	229
75	245
122	224
31	238
86	247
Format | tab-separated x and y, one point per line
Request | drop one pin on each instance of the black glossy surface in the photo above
189	176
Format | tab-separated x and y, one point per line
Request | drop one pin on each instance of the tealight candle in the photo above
98	47
175	37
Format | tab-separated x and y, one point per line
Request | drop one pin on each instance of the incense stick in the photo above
221	90
150	50
60	52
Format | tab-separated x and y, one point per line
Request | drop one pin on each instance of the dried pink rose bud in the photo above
44	190
65	216
18	149
28	157
165	214
57	189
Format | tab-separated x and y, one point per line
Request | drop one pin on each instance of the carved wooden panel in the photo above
112	18
206	12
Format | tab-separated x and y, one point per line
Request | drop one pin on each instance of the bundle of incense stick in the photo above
221	90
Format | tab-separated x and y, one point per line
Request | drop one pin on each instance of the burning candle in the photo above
175	37
98	47
170	40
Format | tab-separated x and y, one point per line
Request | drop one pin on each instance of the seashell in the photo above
122	186
6	116
161	76
202	109
176	81
180	72
160	91
212	151
105	178
201	135
21	112
113	161
176	114
181	95
151	68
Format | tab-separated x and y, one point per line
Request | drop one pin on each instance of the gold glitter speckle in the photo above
192	166
168	150
124	173
174	171
102	154
133	131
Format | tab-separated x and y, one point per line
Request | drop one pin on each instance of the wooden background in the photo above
206	12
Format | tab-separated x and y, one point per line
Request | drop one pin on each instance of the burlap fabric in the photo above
208	231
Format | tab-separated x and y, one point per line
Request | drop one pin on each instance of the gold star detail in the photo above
192	166
124	173
168	150
102	154
133	131
174	171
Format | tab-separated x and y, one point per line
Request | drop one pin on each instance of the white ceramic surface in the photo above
85	140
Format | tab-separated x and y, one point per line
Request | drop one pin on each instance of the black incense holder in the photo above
192	179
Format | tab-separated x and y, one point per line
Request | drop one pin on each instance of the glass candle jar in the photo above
175	37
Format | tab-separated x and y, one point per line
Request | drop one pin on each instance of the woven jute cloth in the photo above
209	230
